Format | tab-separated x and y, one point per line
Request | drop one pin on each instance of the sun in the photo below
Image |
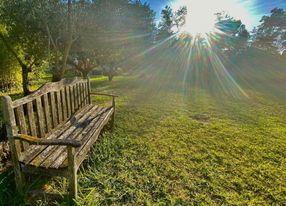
201	18
198	20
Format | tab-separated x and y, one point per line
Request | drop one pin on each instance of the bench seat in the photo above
84	127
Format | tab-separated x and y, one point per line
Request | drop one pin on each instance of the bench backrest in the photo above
40	112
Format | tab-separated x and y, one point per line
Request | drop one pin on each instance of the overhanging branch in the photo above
10	48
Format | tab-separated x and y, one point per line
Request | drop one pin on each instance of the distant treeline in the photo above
55	37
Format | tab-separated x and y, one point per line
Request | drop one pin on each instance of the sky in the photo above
249	11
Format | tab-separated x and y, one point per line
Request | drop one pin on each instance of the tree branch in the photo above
9	47
50	37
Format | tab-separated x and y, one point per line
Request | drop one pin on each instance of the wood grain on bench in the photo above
52	130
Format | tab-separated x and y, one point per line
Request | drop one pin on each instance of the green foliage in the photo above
23	27
114	31
63	22
142	24
271	33
180	17
22	35
166	25
171	22
232	36
10	73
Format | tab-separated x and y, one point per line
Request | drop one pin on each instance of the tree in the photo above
22	35
171	22
84	63
10	73
271	33
142	26
180	18
103	36
114	31
165	27
232	36
59	21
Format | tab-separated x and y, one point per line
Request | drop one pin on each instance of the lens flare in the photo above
201	16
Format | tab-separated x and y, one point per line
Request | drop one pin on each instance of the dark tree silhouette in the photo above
271	33
233	36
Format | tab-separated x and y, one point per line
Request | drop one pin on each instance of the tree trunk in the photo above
110	77
25	80
68	43
60	68
56	76
85	75
25	68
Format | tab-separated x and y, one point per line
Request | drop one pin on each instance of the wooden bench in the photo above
51	131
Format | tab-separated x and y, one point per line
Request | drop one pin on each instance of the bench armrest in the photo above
102	94
38	141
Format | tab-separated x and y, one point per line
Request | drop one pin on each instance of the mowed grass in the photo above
163	153
177	144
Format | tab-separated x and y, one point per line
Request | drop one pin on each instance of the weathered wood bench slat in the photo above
54	109
35	150
81	95
68	100
60	124
62	154
47	113
88	92
39	112
21	123
47	88
52	150
76	94
21	119
92	128
31	119
72	99
48	153
59	107
64	104
84	150
84	94
77	134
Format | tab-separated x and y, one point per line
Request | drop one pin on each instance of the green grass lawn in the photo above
184	145
162	154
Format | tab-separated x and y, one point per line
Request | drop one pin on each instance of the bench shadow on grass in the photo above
34	191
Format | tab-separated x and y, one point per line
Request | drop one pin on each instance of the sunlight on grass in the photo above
178	147
159	154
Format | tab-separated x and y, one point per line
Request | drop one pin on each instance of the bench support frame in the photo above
72	172
18	141
11	132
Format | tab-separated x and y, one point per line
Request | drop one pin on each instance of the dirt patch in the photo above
201	117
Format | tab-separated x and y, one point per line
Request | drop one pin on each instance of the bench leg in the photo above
112	121
19	179
113	114
72	173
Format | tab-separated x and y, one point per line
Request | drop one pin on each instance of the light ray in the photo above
156	45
